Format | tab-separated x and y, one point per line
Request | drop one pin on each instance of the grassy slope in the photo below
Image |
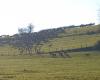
72	38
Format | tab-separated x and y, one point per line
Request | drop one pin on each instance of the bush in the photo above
87	54
97	45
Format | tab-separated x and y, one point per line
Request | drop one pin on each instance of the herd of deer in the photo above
60	54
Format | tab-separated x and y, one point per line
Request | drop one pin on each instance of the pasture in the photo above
74	38
81	65
23	67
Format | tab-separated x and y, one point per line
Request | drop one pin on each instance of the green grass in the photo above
82	65
72	39
81	30
79	67
70	43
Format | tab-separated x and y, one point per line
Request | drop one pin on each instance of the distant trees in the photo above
24	40
81	25
84	25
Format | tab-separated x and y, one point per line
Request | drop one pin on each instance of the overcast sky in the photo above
45	14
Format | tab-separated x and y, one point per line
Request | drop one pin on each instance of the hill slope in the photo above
63	38
78	37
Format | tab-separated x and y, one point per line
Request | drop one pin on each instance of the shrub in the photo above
87	54
97	45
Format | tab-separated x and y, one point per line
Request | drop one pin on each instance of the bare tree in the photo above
24	40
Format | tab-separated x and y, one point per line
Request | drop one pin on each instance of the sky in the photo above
45	14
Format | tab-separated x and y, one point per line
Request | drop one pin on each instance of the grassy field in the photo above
79	67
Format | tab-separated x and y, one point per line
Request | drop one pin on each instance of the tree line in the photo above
26	39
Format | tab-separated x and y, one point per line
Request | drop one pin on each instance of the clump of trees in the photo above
81	25
26	39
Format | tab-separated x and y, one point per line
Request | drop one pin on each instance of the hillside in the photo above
62	38
78	37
